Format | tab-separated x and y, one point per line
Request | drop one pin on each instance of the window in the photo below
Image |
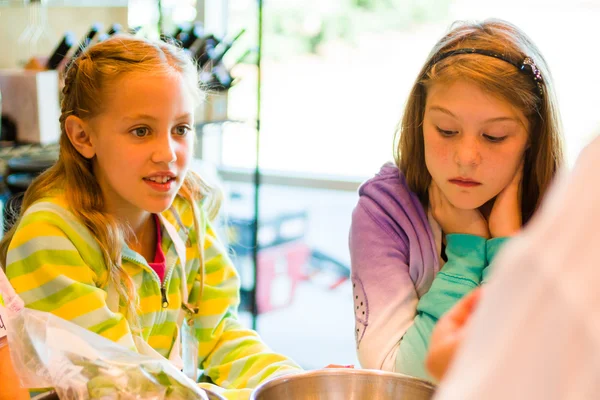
336	74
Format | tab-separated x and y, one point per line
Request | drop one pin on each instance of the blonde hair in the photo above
85	79
545	153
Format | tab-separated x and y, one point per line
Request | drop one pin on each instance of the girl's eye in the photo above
446	133
182	130
141	132
494	139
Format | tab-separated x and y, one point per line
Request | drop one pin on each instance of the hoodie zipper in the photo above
165	301
163	286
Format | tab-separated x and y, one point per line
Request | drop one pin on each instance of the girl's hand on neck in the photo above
455	220
505	218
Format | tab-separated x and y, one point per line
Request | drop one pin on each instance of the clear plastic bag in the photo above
50	352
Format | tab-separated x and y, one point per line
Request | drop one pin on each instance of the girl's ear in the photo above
79	135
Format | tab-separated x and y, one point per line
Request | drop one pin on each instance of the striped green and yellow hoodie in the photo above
55	265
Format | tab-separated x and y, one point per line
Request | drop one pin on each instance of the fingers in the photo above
449	333
514	187
463	310
458	315
519	178
437	200
519	174
434	194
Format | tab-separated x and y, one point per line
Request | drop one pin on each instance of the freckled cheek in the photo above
498	168
438	154
442	152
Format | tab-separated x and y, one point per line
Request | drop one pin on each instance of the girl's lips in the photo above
161	174
161	187
464	183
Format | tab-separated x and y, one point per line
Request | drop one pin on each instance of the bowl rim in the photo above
337	371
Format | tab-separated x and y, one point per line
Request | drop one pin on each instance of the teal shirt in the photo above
469	264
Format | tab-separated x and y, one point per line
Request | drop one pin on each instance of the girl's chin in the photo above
157	207
470	205
470	201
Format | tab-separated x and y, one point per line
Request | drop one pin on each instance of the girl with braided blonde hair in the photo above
116	236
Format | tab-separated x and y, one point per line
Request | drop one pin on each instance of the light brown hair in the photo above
97	67
545	152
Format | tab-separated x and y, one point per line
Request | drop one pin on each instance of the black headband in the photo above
526	65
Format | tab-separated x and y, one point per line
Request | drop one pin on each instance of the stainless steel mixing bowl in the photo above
345	384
